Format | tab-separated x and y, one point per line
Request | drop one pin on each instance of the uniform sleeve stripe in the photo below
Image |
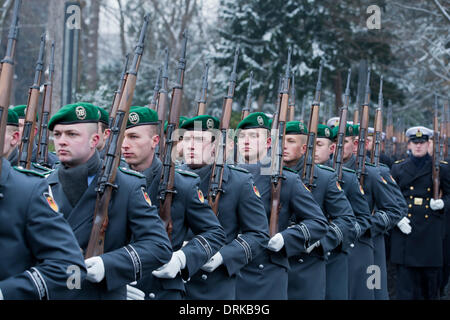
358	229
205	245
39	282
337	231
246	247
137	265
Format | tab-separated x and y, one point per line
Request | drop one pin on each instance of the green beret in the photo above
254	120
139	116
355	130
104	115
182	119
13	118
350	131
80	112
21	111
207	122
324	131
296	127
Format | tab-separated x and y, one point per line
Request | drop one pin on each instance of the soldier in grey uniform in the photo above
240	212
329	195
189	210
136	242
38	249
419	254
266	277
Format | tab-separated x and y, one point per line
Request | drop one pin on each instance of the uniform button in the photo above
411	188
411	197
329	253
426	207
300	260
352	245
204	277
428	199
152	295
426	216
409	215
261	266
428	189
409	205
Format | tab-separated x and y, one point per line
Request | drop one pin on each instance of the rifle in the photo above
162	104
155	95
42	152
201	102
166	186
436	151
7	73
363	128
277	151
338	158
215	184
26	146
291	107
302	115
445	131
389	145
245	112
378	129
308	166
118	93
105	184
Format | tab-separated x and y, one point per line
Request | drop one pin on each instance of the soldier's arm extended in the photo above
253	227
53	248
209	235
149	247
340	216
311	224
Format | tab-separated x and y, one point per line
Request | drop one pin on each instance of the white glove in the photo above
276	242
1	295
95	269
436	204
311	247
171	268
215	261
404	225
134	293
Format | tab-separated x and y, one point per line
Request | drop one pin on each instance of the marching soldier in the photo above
38	249
103	130
12	135
266	277
350	260
387	213
419	254
135	241
240	212
189	209
329	195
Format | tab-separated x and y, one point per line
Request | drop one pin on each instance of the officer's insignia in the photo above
200	196
99	114
300	126
338	186
133	117
327	132
384	181
361	189
255	189
350	130
80	111
260	120
210	123
418	134
51	202
306	187
146	197
392	178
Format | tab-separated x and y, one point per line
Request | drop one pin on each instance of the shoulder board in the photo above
238	168
370	164
444	162
398	161
33	172
326	167
187	173
40	167
131	172
384	165
348	170
289	169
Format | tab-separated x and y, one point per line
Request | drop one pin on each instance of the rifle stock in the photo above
436	151
363	128
162	105
378	129
201	103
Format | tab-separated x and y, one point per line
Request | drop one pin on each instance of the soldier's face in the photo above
21	125
419	149
138	146
75	143
253	144
324	148
198	148
11	140
369	143
103	134
348	148
294	147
